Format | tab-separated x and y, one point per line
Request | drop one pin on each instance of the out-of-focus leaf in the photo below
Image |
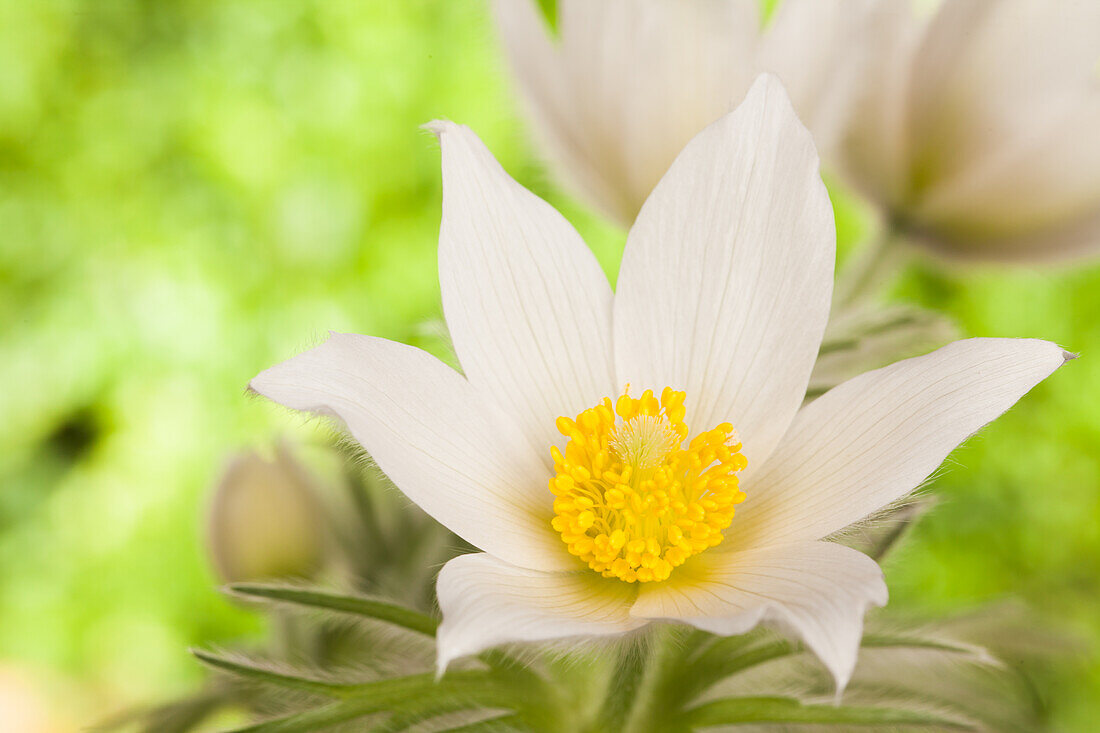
267	673
912	641
1013	632
992	697
729	655
437	715
456	691
927	669
860	338
501	724
356	605
179	716
316	719
780	710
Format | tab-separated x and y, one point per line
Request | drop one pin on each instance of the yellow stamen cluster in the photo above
630	499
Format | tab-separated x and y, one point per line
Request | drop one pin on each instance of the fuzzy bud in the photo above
266	520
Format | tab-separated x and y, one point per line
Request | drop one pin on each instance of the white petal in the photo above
628	83
875	438
528	307
449	449
725	283
487	602
817	591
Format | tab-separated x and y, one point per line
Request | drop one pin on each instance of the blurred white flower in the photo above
589	448
977	126
625	84
266	520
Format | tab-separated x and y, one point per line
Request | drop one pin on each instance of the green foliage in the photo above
358	605
268	674
782	710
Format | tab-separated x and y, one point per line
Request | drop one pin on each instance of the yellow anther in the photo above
631	499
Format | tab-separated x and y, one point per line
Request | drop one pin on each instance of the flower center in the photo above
630	499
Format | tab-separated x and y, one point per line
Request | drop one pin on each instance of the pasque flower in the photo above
622	85
644	455
977	127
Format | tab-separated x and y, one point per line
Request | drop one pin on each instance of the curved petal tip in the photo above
438	127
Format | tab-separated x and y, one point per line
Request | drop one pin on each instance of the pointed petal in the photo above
487	602
725	283
528	307
875	438
817	591
626	85
449	449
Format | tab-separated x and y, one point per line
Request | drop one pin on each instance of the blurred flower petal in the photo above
809	46
628	83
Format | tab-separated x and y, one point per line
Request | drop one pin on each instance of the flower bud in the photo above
266	520
976	128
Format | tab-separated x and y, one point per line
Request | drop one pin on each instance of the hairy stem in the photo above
626	681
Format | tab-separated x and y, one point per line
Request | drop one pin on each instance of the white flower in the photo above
595	515
627	83
977	127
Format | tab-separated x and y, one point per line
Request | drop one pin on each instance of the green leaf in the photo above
911	641
411	715
455	691
735	710
179	716
501	724
316	719
268	674
355	605
731	654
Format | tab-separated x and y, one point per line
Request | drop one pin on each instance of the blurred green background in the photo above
192	190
